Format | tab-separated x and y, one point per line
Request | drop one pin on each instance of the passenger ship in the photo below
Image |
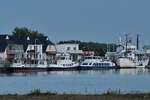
63	63
96	63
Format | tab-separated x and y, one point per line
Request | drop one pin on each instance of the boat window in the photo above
89	57
96	64
41	62
90	63
85	63
104	64
108	64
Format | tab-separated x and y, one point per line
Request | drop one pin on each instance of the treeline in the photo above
99	48
26	31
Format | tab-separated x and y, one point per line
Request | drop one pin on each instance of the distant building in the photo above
35	47
9	50
68	48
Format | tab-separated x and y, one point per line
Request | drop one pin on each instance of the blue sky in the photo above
85	20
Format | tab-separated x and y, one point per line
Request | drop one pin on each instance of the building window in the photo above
35	48
10	47
74	48
30	47
68	48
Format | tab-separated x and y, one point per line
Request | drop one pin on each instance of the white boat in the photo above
130	57
63	63
96	63
20	66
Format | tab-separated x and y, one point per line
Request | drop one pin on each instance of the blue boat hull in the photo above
62	69
96	67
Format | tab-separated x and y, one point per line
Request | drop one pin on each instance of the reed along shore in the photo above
37	95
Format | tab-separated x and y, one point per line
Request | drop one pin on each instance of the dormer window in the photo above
28	38
47	39
7	37
68	48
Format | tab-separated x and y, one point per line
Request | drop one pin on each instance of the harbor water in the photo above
78	82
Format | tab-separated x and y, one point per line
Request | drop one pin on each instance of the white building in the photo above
68	48
34	51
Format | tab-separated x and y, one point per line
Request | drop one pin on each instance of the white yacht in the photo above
63	63
96	63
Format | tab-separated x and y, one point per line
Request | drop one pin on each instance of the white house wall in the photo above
67	47
38	51
31	47
3	55
51	48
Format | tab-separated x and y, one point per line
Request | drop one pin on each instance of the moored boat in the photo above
64	63
96	63
131	57
36	67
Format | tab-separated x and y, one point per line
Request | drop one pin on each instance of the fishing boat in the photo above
131	57
38	66
63	63
96	63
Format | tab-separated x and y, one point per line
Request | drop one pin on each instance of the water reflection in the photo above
137	71
84	82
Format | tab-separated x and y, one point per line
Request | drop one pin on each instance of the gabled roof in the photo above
4	42
22	39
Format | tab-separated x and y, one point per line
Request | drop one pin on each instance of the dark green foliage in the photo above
99	48
37	92
26	31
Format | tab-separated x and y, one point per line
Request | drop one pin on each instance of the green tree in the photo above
26	31
99	48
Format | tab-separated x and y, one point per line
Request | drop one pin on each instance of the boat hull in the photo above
27	69
125	67
96	67
63	68
125	63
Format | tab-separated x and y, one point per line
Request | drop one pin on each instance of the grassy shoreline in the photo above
109	95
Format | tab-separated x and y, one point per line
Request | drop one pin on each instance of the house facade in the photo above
36	48
72	49
9	51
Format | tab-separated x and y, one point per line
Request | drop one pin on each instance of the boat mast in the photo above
137	42
126	43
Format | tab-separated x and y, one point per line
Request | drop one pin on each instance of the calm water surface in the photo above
80	82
